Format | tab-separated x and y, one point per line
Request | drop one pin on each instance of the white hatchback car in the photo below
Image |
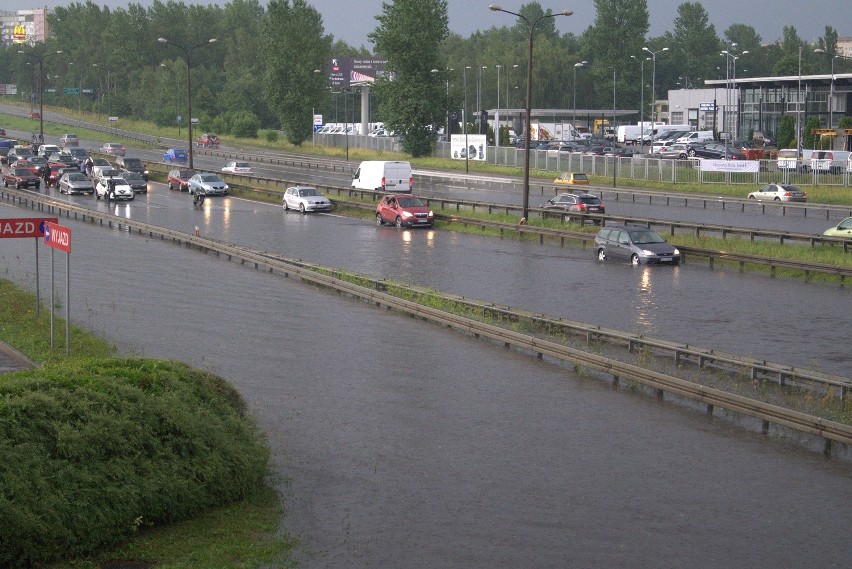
113	189
305	199
238	168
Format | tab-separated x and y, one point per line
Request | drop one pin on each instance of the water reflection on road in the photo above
404	444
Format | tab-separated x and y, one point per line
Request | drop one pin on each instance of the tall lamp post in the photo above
528	110
497	117
40	90
654	82
464	121
642	95
446	100
188	51
799	109
574	117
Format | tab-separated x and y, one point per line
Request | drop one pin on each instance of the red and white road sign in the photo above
57	236
24	226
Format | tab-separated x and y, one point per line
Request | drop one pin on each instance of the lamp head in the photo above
495	8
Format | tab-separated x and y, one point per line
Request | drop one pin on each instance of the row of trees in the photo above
261	71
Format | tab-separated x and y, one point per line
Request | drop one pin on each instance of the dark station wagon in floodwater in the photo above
638	245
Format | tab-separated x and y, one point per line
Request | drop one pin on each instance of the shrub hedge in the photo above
94	449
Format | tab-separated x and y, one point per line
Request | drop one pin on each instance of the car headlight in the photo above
648	253
676	252
406	215
431	214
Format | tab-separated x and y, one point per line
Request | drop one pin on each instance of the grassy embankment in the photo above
126	459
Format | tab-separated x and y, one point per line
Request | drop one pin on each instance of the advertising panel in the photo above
750	166
345	72
474	149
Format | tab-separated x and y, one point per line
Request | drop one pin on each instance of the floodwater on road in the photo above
403	444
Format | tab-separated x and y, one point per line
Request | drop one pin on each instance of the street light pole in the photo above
497	117
40	90
642	96
654	83
464	122
528	110
188	51
574	116
799	109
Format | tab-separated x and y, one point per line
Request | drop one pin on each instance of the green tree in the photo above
787	132
809	140
619	30
294	47
412	97
694	43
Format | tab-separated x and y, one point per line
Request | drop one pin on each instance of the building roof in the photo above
753	82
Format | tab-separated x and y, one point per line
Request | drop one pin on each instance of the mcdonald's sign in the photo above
19	34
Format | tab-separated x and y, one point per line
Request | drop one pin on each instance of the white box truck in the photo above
383	176
628	134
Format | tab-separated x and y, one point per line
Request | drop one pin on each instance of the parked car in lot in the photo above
207	140
404	210
237	168
137	181
305	199
176	155
842	229
572	178
113	149
208	185
126	164
113	189
674	151
575	204
21	178
69	140
75	183
779	193
716	151
638	245
178	179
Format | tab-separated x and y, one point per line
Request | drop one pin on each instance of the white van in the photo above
696	136
383	176
829	161
48	149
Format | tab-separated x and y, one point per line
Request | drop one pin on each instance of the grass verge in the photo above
238	535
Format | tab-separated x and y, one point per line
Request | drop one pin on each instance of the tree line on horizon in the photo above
262	70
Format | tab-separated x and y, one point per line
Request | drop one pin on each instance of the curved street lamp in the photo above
654	82
531	25
574	118
188	51
40	90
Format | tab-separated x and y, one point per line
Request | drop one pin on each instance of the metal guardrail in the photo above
561	235
829	431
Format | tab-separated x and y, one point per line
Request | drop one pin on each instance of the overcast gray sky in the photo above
352	20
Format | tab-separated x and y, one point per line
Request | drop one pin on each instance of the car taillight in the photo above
383	182
582	207
411	183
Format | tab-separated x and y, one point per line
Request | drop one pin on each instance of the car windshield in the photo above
591	200
410	202
186	173
77	178
580	177
791	188
22	172
242	164
308	192
210	178
644	236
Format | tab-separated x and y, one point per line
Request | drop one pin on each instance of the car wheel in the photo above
398	221
691	153
751	197
286	206
634	259
97	196
170	186
777	199
601	255
379	220
302	208
5	183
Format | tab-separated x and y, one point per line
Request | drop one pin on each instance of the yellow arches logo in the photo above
19	34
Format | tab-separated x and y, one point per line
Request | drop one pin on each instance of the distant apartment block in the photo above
23	26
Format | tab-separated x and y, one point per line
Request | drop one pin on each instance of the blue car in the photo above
176	155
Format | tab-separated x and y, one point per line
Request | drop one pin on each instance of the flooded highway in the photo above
778	319
400	443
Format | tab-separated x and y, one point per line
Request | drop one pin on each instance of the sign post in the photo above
13	228
59	237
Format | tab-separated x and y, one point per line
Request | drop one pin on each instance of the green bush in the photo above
92	450
271	136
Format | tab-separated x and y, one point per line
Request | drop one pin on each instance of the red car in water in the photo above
21	178
404	210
